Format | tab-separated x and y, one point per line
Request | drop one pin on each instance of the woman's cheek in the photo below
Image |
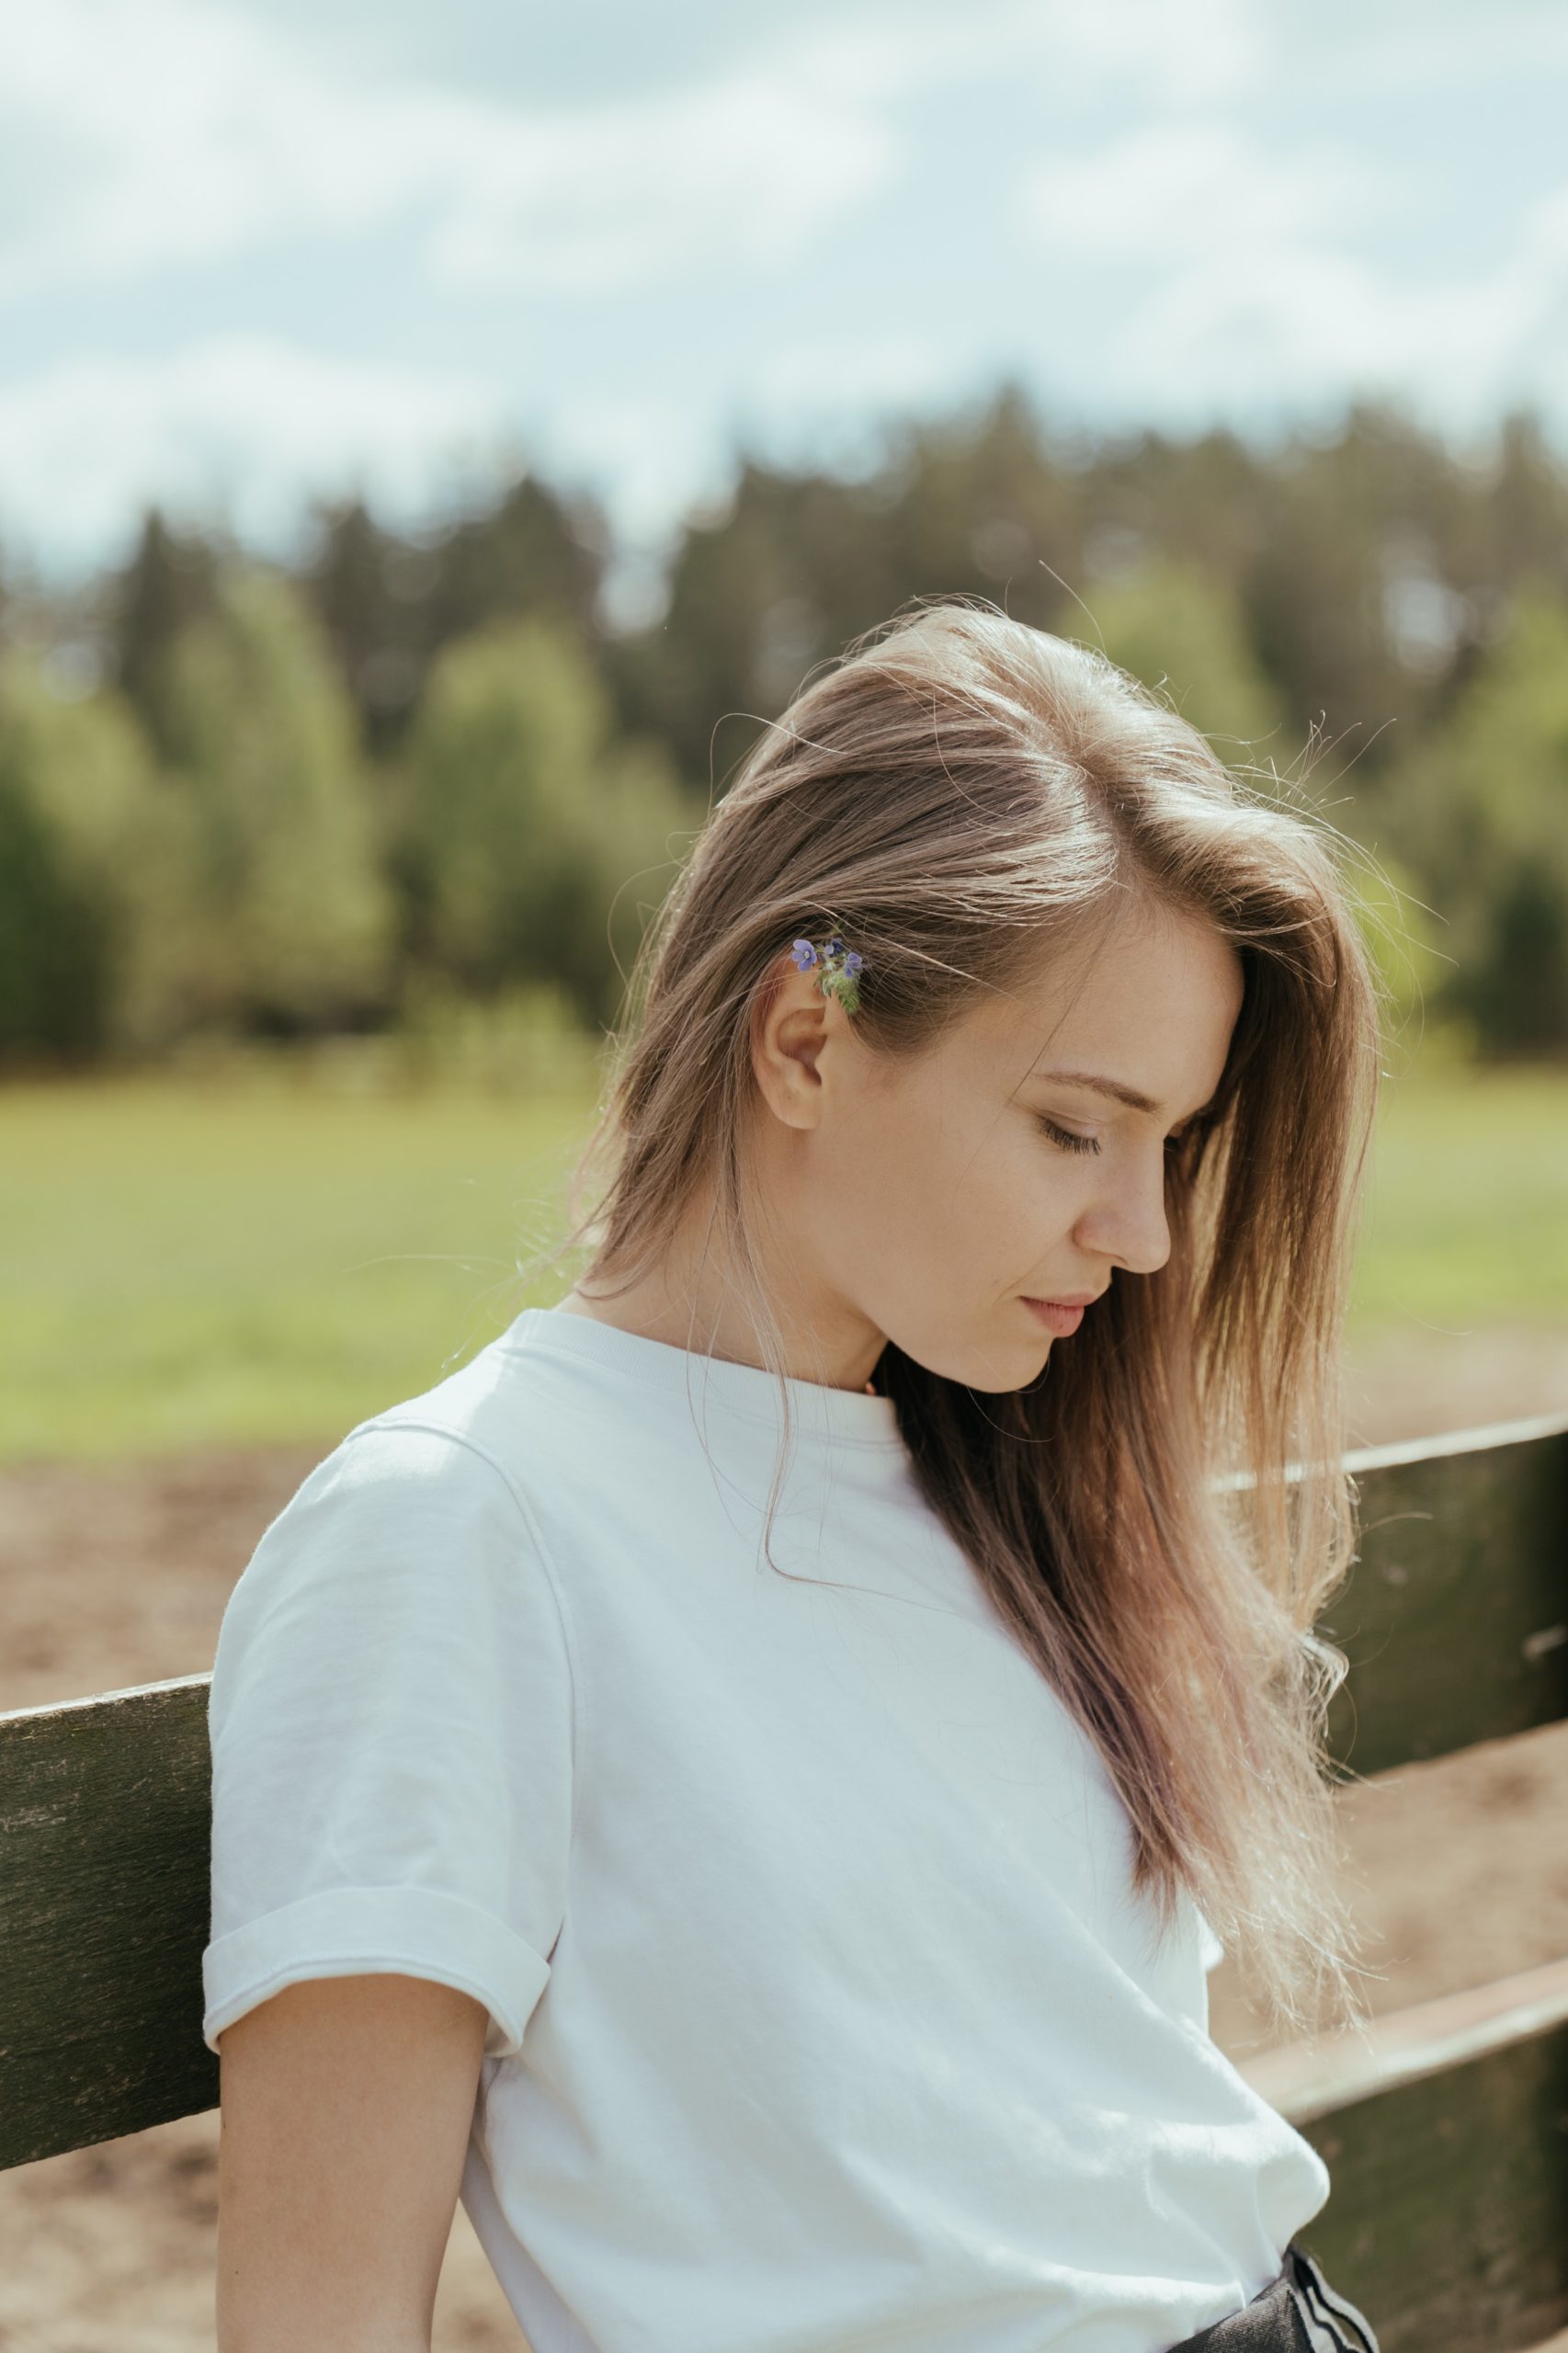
1037	1187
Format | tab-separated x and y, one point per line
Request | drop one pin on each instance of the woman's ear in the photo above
790	1029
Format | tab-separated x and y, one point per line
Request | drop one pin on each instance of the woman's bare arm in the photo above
347	2104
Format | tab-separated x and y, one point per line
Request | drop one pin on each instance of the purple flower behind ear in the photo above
836	966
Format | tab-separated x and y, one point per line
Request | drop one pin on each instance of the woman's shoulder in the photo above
505	1419
460	1456
422	1516
485	1492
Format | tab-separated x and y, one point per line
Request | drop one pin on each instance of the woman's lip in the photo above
1055	1317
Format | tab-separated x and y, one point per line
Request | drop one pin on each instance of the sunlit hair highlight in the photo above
1160	1519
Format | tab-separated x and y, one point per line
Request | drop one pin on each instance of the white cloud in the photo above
1178	53
743	171
649	455
1188	188
1243	274
152	134
242	430
1237	248
824	372
1277	299
1415	46
237	430
169	131
809	400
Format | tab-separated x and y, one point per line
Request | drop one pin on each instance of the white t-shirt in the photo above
821	2019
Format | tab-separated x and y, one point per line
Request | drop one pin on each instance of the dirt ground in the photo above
1458	1870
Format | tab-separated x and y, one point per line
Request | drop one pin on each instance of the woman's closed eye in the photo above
1066	1138
1069	1140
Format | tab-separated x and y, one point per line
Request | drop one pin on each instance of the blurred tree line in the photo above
240	798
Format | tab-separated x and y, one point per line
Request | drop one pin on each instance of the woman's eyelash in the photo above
1066	1139
1071	1143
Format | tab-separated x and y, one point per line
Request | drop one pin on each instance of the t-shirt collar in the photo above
750	1391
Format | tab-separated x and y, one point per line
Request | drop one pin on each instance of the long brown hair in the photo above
1160	1521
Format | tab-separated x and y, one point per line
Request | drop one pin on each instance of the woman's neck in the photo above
660	1310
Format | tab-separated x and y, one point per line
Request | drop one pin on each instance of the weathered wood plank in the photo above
104	1891
1448	2217
1455	1615
1455	1620
1312	2078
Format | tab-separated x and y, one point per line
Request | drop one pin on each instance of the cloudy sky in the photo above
252	250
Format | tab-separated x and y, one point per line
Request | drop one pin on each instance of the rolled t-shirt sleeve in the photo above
392	1722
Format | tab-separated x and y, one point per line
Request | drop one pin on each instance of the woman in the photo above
741	1780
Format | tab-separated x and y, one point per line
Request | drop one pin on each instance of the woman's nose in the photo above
1130	1224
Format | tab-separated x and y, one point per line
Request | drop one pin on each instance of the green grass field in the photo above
187	1262
182	1264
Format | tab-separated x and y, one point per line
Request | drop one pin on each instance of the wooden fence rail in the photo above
1445	2126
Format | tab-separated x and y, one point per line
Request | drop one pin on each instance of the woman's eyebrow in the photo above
1099	1084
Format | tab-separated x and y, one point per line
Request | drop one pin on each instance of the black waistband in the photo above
1297	2312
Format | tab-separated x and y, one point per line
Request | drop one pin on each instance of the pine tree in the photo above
296	916
170	583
